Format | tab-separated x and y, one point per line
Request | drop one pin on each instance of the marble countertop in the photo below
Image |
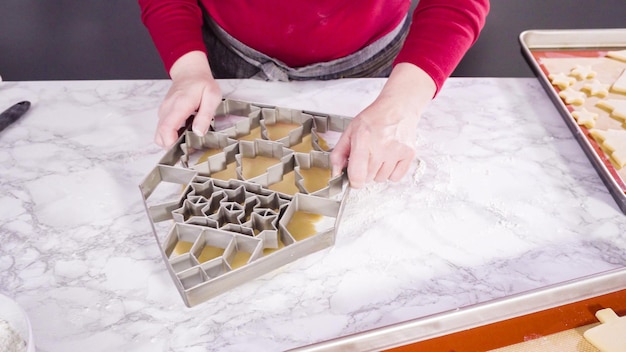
500	201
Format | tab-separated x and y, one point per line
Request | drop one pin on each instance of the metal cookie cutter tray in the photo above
539	46
217	225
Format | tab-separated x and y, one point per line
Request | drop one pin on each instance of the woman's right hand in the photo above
193	90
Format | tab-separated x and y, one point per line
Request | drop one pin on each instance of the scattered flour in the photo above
10	340
418	172
375	201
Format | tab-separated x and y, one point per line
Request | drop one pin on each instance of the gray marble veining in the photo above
500	201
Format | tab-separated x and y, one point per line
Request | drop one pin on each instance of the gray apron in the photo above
230	58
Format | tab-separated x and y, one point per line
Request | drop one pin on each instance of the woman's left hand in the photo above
379	144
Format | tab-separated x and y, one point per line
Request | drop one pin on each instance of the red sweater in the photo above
305	32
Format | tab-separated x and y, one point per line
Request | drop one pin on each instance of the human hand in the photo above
379	143
193	90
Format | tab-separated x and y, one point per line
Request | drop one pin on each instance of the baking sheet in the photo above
464	318
560	51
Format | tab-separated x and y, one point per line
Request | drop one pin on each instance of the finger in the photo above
158	140
340	153
171	117
205	114
167	131
358	166
385	170
402	167
375	164
166	139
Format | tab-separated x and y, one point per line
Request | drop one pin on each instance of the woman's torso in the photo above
300	33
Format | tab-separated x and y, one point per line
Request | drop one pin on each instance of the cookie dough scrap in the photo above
614	143
620	84
596	88
582	72
572	96
617	54
617	107
585	117
609	335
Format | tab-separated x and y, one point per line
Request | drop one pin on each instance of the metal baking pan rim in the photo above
573	38
616	191
605	175
496	310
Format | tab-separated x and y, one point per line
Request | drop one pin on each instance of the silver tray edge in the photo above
473	316
548	39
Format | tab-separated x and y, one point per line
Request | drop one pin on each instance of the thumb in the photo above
340	153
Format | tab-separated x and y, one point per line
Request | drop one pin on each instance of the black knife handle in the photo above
13	113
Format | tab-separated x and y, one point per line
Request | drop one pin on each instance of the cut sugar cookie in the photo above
620	84
585	117
617	107
582	72
561	80
617	54
596	88
614	142
572	96
610	336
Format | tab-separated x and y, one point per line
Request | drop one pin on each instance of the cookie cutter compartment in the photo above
327	128
197	150
546	51
163	191
230	112
320	130
314	175
240	217
310	219
205	261
237	258
238	120
289	127
215	203
261	161
224	158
